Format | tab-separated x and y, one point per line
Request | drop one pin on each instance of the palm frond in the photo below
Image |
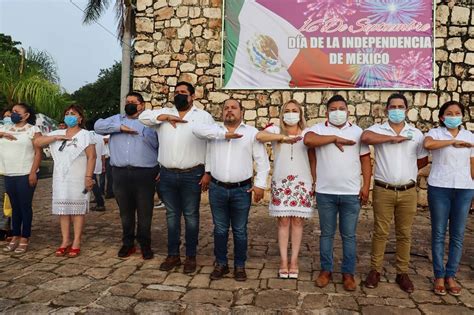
94	10
44	63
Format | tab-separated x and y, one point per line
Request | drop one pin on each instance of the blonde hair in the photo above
301	123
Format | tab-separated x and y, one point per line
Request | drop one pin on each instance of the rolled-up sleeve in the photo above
148	117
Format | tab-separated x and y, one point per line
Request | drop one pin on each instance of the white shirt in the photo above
179	147
339	173
451	167
17	156
98	140
231	161
396	163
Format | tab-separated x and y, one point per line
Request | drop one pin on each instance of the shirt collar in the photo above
407	126
346	125
221	124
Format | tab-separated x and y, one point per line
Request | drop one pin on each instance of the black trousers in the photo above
134	189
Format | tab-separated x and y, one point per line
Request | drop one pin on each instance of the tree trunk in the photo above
126	61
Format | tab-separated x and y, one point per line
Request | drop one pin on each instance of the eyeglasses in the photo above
63	145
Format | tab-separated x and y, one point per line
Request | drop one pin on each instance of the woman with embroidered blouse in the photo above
74	157
19	163
294	174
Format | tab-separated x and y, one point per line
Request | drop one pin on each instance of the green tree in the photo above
30	77
101	99
125	15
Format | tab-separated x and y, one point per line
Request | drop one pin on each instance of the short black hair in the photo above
397	96
188	85
137	95
30	110
336	98
445	107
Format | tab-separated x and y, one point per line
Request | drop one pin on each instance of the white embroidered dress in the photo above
69	174
292	193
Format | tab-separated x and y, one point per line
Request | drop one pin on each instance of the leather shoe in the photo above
372	280
323	278
405	283
126	251
219	271
189	264
349	282
147	253
170	263
240	274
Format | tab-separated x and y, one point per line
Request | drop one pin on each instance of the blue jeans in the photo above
181	194
21	199
230	207
348	207
448	205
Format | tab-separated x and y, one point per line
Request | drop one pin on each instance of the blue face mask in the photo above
16	118
7	121
452	122
396	115
70	121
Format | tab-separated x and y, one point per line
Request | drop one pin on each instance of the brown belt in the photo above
184	170
395	187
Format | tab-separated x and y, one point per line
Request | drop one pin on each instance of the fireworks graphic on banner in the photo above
392	11
413	70
329	9
370	75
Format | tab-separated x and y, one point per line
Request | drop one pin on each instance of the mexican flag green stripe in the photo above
232	31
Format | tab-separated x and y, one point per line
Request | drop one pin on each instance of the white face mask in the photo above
337	117
291	119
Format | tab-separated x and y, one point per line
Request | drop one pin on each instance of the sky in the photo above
55	26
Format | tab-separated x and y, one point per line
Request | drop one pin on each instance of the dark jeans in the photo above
157	185
329	207
181	194
448	206
230	207
96	191
109	184
21	198
134	191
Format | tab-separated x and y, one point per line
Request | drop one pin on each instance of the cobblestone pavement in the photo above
99	282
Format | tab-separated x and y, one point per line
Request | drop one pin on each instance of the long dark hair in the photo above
30	110
445	107
77	108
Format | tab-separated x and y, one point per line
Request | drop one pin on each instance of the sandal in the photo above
11	246
74	252
61	251
293	274
283	273
21	248
453	290
439	289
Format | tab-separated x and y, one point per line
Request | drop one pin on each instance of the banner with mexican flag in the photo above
335	44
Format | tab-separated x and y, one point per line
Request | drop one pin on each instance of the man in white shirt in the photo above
399	154
182	157
341	159
232	150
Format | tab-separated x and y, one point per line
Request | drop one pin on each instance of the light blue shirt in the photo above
137	150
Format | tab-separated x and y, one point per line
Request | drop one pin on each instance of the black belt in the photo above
133	167
184	170
394	187
231	185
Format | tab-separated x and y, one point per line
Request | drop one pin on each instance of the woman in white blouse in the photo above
294	174
450	191
19	163
74	157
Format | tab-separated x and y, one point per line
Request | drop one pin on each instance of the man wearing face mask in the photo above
341	157
399	154
133	158
182	173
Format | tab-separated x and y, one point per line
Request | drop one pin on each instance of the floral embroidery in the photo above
292	193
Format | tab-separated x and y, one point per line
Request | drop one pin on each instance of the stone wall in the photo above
181	40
